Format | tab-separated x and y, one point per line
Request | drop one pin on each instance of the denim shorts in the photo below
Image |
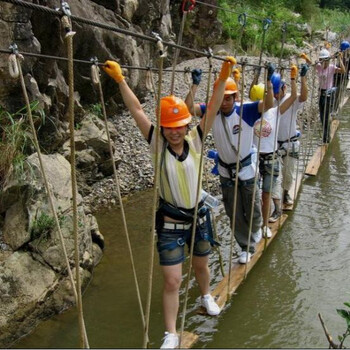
266	174
177	239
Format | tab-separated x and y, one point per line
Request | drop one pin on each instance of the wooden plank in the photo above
294	192
221	291
316	160
188	340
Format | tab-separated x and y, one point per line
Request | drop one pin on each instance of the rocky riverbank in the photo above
135	169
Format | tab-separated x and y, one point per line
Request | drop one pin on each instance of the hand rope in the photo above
256	175
234	208
194	225
45	180
69	42
95	74
162	54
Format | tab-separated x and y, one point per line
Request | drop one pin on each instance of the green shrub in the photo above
42	227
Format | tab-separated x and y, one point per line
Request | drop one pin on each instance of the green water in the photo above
304	271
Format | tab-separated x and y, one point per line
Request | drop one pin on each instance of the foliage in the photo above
96	109
15	139
346	315
42	226
295	13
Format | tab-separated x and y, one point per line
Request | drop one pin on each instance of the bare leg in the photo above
202	273
172	281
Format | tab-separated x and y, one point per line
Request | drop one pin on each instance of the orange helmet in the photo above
230	86
173	112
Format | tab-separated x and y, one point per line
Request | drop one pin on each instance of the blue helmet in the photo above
277	83
344	45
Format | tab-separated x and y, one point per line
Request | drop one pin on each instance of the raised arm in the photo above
218	94
303	89
267	102
342	68
293	95
113	69
194	108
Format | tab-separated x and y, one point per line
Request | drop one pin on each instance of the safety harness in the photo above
293	153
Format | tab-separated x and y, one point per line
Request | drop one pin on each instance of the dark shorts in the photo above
266	175
171	243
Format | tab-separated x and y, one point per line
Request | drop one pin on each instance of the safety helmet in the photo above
257	92
230	86
344	45
324	54
276	82
173	112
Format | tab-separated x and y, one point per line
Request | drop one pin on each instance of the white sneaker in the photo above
211	306
257	236
244	258
170	341
267	232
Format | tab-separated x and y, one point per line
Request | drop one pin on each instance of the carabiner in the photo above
188	5
242	19
266	23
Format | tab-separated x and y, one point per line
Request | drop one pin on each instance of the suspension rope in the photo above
17	57
66	23
185	8
162	54
95	73
255	177
234	207
194	226
266	24
215	234
284	34
116	29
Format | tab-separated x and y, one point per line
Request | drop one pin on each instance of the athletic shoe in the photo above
244	258
275	216
287	199
170	341
257	236
210	305
267	232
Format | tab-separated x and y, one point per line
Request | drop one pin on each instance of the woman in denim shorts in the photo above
180	153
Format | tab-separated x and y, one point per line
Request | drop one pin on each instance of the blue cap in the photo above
276	82
344	45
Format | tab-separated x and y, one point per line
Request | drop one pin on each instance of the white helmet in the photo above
324	53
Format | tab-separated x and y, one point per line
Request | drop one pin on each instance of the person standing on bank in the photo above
226	134
265	129
180	157
325	72
288	137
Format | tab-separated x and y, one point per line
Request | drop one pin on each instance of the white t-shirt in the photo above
268	140
288	120
224	140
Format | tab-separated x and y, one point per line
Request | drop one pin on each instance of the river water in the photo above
303	272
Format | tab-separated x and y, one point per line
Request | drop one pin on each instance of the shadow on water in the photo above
304	271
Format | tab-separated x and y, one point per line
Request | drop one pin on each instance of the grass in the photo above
16	139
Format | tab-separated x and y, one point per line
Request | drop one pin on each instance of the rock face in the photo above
33	274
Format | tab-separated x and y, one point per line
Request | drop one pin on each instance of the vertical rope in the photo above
47	187
234	208
69	42
117	184
256	176
155	198
194	226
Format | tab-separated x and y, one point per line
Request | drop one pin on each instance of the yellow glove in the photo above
293	71
327	45
226	68
236	75
305	57
113	69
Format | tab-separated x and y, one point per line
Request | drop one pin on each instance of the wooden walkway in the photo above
224	290
317	158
